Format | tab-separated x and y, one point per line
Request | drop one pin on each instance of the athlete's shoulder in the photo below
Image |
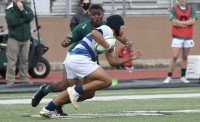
84	25
103	27
106	30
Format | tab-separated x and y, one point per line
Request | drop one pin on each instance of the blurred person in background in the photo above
183	18
81	15
18	18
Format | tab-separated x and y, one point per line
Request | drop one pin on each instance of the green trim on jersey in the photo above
173	13
80	31
180	37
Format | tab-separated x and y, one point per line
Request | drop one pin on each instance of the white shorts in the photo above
79	66
181	43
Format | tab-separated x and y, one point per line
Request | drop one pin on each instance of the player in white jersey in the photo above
80	65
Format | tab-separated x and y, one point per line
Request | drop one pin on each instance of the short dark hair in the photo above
96	6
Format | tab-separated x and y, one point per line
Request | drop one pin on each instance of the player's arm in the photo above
192	19
115	61
74	36
188	22
65	43
98	37
27	14
124	40
177	23
174	20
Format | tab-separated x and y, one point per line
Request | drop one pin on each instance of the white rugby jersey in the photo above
86	46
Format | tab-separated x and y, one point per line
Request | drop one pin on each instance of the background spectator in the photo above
183	18
81	15
18	18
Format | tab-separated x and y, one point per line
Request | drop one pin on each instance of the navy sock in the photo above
183	72
169	74
51	106
79	89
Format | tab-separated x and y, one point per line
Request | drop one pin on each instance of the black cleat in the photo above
60	112
38	96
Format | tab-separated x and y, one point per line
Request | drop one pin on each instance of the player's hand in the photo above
20	6
66	43
135	54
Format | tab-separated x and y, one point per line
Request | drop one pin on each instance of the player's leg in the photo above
45	89
63	97
175	54
184	57
176	49
98	79
187	45
51	109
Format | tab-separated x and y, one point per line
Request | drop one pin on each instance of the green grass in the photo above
23	112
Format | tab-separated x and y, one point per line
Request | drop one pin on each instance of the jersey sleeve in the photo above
172	14
193	13
75	35
106	31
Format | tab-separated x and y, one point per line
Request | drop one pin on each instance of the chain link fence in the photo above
123	7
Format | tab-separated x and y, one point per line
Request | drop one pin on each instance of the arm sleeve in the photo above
27	14
106	31
172	14
193	14
100	31
75	35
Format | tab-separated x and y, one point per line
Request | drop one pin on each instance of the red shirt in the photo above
183	16
124	53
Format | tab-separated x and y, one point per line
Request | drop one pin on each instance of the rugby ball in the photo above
110	39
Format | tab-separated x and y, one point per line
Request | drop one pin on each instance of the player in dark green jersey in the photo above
80	31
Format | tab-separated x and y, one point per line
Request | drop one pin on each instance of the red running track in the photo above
118	74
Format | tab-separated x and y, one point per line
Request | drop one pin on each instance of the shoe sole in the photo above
74	102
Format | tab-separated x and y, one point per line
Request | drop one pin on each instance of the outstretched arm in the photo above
124	40
115	61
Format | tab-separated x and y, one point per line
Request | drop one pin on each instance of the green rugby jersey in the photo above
80	31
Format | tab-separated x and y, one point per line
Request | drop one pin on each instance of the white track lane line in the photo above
110	98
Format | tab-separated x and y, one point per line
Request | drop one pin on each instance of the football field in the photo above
132	105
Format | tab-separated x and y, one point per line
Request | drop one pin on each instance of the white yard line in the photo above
111	98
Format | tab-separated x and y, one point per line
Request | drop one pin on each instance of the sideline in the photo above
108	98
